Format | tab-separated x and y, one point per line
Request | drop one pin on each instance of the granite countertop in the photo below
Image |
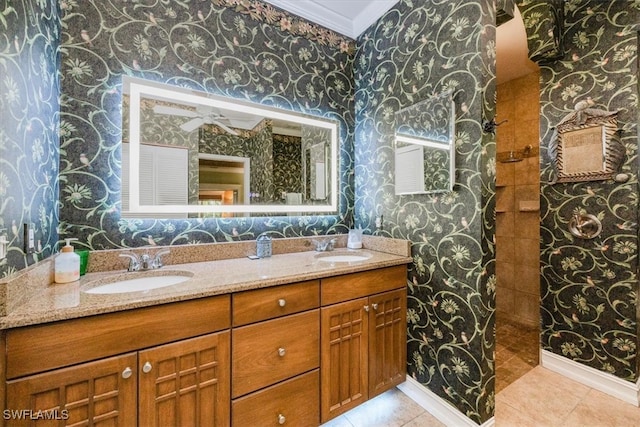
68	301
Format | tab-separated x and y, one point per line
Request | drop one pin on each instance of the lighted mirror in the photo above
187	153
424	146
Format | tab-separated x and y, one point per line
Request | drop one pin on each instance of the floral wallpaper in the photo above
261	147
29	116
240	49
544	21
416	50
287	164
589	288
315	148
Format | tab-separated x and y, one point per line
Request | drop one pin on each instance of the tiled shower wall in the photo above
517	202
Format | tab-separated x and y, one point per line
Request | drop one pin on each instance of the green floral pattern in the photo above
29	117
544	23
234	48
589	288
287	164
416	50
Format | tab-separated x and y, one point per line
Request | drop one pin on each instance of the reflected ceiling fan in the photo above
202	115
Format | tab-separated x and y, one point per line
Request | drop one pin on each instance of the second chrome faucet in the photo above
145	261
324	245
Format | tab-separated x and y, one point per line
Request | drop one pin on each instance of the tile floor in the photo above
516	352
528	396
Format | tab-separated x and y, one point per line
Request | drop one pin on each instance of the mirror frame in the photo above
137	88
448	146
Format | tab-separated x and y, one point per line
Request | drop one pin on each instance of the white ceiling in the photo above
512	55
352	17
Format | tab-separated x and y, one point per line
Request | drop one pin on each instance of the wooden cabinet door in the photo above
101	393
186	383
344	352
387	341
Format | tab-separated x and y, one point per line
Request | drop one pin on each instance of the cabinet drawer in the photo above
271	351
357	285
268	303
293	402
80	340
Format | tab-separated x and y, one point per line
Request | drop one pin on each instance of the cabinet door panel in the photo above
344	357
94	393
387	341
186	383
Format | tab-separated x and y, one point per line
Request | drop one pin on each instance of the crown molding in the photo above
319	14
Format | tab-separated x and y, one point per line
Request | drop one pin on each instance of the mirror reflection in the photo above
189	153
424	146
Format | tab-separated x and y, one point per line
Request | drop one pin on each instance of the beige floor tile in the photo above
425	420
507	416
391	409
340	421
601	410
531	397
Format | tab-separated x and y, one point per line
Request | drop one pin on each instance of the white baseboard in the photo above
445	412
591	377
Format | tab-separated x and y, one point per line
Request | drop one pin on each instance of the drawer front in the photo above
293	402
75	341
271	351
268	303
357	285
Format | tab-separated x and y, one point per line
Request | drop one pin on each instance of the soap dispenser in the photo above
67	264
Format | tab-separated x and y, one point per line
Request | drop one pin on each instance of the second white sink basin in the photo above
139	284
342	256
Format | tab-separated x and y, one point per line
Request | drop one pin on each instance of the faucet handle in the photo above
134	262
332	244
157	259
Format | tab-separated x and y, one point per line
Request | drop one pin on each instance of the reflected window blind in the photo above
409	169
164	178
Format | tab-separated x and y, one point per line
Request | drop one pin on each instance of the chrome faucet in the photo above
144	262
134	262
324	245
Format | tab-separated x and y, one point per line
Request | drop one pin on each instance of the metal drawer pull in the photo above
281	419
375	306
366	308
281	352
146	368
282	302
127	373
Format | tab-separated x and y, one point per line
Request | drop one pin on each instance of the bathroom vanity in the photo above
275	350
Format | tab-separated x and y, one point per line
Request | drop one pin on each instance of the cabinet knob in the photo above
146	368
282	302
281	352
281	419
366	308
127	373
375	306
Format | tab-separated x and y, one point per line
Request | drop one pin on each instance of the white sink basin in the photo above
138	284
342	256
